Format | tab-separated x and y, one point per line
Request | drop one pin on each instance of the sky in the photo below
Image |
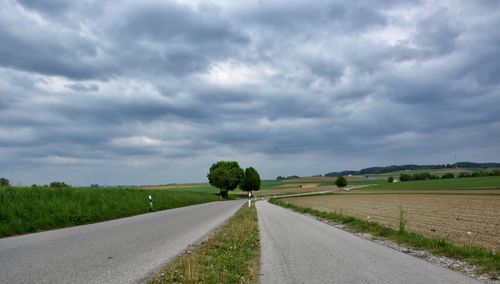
154	92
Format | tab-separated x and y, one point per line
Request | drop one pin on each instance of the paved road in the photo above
127	250
299	249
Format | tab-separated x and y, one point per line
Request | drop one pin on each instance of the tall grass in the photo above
25	210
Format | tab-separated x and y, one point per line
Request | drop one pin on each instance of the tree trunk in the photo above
223	193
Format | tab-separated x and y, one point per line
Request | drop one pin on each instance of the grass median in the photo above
26	210
488	260
230	255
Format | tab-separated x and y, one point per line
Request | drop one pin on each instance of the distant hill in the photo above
394	168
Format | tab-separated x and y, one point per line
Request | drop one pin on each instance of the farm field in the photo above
455	183
26	210
437	215
268	187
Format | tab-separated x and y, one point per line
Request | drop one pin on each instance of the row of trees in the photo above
428	176
288	177
54	184
227	176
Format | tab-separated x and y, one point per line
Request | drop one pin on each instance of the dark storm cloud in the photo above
153	91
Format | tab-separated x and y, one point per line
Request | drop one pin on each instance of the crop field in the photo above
26	210
462	217
268	187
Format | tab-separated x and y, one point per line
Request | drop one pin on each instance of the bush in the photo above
341	182
58	184
4	182
464	175
480	174
390	179
448	175
406	177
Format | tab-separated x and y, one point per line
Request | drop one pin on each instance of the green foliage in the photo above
490	261
402	220
406	177
390	179
464	175
4	182
480	174
341	182
58	184
225	175
26	210
448	175
251	180
417	176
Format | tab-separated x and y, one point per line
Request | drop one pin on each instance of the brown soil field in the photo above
294	188
460	218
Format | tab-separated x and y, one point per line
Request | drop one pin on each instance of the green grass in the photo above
206	188
367	182
231	255
456	183
26	210
489	261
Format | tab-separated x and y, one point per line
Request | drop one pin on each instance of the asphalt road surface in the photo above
126	250
299	249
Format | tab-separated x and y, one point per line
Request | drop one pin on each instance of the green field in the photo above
456	183
207	188
26	210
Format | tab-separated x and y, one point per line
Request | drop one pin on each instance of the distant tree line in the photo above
428	176
288	177
394	168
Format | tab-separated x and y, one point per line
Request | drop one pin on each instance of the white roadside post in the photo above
249	199
151	202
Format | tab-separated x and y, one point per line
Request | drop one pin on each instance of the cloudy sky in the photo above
149	92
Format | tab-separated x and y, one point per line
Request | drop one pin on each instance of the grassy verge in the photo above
25	210
230	255
489	261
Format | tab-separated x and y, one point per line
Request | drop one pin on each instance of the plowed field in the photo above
460	218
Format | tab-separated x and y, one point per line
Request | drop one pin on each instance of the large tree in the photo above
225	175
251	180
341	182
4	182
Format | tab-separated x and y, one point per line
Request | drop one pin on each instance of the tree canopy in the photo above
4	182
341	182
225	175
251	180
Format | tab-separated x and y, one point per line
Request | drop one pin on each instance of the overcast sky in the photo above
150	92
